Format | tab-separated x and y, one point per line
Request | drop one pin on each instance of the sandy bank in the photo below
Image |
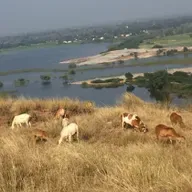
114	56
189	70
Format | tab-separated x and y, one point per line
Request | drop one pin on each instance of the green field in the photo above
169	41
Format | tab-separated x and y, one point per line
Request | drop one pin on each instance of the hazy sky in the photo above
17	16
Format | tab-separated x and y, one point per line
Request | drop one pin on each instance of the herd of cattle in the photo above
132	120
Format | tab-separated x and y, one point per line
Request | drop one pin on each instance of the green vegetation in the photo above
72	72
119	62
168	41
65	79
163	83
1	84
131	42
130	88
21	82
157	47
84	85
72	65
107	83
128	76
46	79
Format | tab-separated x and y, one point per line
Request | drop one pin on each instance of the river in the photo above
51	56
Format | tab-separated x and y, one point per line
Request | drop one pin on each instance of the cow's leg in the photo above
60	140
77	136
122	124
70	138
170	139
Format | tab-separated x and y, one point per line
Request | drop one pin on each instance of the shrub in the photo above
1	84
130	88
128	76
84	85
141	81
157	47
72	72
72	65
97	81
185	49
171	52
181	74
65	79
45	79
120	62
21	82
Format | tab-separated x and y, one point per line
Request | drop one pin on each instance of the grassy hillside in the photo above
169	41
106	158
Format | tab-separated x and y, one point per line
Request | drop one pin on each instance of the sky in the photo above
20	16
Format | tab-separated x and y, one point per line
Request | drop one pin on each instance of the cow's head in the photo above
143	128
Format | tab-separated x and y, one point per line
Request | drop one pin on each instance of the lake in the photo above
50	58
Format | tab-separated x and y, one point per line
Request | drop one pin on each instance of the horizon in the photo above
31	17
95	25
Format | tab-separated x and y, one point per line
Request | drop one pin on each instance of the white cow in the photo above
19	119
68	130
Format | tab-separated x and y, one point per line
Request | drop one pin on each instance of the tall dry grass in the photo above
107	158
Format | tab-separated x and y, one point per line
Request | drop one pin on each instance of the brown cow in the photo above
134	121
163	131
60	113
177	119
39	134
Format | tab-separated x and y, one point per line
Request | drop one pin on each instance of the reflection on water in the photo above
102	97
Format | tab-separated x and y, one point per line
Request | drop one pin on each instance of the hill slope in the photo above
106	159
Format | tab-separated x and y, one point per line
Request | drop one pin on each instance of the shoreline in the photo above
186	69
118	55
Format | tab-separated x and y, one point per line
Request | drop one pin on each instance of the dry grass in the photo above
106	158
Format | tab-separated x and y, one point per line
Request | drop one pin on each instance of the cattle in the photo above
39	134
163	131
60	113
68	130
177	119
22	118
134	121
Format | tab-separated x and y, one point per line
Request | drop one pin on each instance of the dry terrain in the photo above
117	55
107	158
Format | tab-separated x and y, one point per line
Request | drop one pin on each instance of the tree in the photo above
158	80
120	61
84	85
72	72
130	88
45	79
128	76
136	55
1	84
72	65
65	79
21	82
157	47
185	49
159	51
158	84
